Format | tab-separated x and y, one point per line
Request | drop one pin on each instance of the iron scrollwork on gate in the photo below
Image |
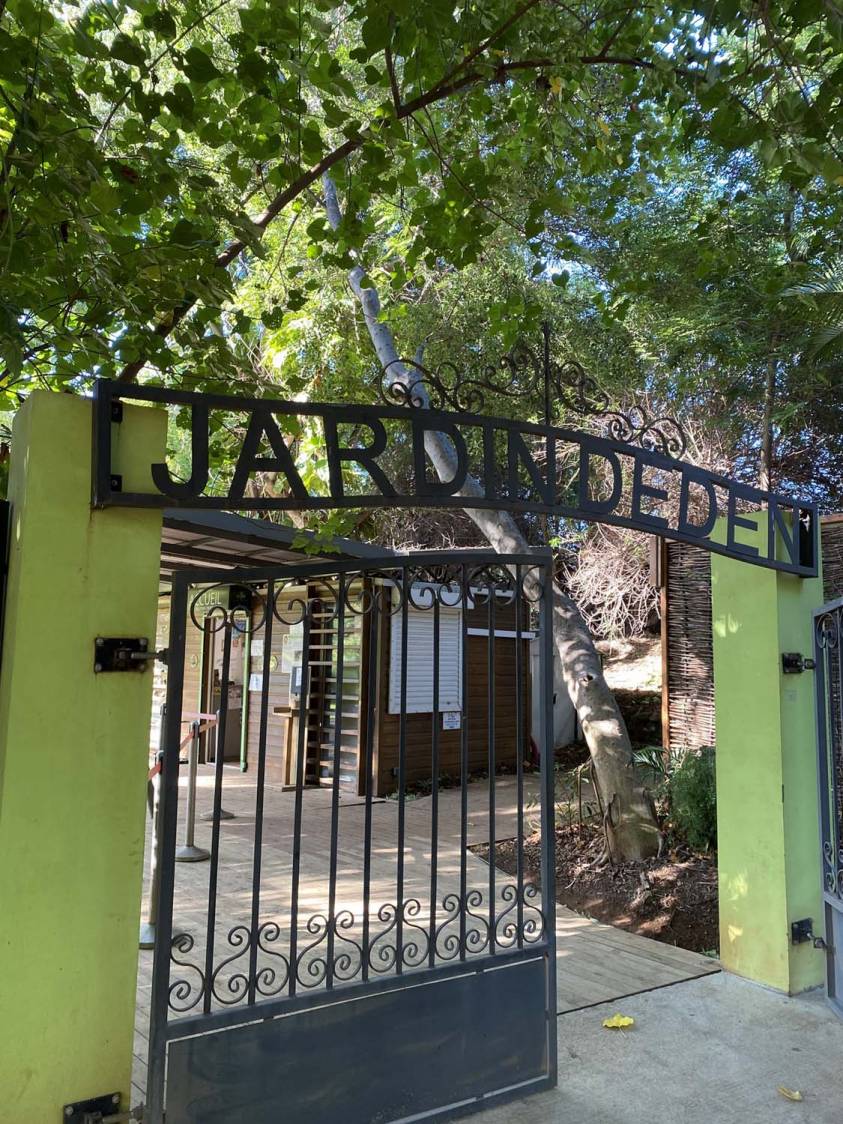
281	950
526	373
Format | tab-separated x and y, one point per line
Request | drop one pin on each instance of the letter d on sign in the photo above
589	448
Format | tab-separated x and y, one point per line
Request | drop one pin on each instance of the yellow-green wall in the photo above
767	820
73	761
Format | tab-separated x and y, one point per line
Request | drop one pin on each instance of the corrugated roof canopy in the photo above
193	539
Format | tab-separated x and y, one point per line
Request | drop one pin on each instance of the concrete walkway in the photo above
708	1051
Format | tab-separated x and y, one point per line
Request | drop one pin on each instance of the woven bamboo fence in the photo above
688	692
689	648
831	530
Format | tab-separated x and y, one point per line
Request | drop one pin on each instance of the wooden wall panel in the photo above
418	730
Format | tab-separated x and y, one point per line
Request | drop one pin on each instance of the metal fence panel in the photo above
331	952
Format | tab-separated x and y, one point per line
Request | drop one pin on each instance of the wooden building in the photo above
191	540
372	684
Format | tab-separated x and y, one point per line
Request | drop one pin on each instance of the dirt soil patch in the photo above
671	899
633	663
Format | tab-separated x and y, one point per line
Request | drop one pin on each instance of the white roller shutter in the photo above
420	660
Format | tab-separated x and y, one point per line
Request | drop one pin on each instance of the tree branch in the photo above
449	86
481	48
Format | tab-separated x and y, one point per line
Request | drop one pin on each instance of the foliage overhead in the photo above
148	148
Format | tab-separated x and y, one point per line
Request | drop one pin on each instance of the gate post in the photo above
73	760
767	811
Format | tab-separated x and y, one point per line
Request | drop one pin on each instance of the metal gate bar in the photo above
345	962
828	650
259	792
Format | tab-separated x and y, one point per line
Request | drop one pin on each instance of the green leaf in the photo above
317	229
186	233
128	50
198	66
180	101
161	22
272	317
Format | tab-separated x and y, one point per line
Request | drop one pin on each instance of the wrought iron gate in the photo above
828	634
346	955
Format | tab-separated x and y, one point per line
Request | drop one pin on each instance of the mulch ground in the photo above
671	899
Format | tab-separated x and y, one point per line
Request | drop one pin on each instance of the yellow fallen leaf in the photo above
618	1022
603	126
556	85
789	1094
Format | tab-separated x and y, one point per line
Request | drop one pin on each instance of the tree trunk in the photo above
631	829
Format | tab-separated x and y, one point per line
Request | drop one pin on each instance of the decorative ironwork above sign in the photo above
564	388
500	464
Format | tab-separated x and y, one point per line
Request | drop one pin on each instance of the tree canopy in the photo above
652	179
252	193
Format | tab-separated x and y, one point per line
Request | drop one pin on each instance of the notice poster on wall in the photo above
451	719
256	681
291	648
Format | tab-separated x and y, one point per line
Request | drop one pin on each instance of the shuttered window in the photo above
420	660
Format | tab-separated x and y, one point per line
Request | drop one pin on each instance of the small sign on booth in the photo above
451	720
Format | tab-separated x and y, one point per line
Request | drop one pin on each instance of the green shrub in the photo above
693	799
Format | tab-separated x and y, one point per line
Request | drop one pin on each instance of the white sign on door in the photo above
451	719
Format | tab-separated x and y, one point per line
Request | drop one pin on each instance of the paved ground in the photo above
595	962
707	1051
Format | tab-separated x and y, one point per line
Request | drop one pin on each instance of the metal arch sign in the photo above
514	462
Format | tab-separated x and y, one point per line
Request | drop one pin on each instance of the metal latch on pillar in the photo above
794	663
122	653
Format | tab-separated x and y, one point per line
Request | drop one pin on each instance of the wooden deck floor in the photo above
595	963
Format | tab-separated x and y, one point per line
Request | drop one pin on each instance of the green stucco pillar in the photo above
767	817
73	761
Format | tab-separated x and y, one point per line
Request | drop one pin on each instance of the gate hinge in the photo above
793	663
97	1110
120	653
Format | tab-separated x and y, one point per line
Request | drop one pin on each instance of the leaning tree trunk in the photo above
631	829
